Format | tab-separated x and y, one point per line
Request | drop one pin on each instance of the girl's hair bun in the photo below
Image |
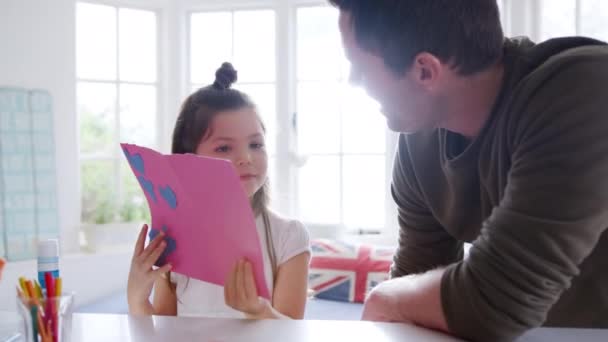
225	76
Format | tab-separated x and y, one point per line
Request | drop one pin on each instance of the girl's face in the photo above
239	137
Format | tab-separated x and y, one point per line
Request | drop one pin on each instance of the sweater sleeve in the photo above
554	209
423	243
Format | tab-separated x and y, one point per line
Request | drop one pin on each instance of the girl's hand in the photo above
240	292
142	276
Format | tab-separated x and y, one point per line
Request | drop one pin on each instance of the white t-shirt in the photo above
198	298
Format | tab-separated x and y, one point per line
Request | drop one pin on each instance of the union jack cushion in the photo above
346	272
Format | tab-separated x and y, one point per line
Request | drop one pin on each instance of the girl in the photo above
218	121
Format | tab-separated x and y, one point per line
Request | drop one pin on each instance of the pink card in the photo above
200	205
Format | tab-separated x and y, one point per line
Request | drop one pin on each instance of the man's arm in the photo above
424	245
423	242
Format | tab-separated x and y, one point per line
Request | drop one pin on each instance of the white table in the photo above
123	328
10	325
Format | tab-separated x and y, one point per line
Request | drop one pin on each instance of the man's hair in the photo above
464	33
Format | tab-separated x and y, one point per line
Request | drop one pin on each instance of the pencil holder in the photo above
47	320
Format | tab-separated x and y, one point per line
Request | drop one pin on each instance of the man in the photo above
505	146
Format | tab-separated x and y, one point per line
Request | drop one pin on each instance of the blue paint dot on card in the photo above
148	187
152	234
169	196
136	161
169	240
171	245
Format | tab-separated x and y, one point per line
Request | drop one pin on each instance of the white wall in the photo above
37	50
37	44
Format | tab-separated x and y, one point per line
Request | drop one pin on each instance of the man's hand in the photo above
413	299
382	303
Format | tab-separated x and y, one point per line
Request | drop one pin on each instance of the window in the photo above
117	87
501	7
329	125
245	38
573	17
340	132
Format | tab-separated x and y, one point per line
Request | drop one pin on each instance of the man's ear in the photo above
427	69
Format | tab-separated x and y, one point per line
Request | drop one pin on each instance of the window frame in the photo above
114	156
578	19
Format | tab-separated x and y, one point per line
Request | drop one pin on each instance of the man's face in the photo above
406	104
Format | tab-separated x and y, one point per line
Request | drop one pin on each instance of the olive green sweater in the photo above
530	192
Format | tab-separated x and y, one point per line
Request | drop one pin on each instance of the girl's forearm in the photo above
268	313
141	309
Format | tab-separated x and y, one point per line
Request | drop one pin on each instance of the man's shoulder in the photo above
579	72
582	60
